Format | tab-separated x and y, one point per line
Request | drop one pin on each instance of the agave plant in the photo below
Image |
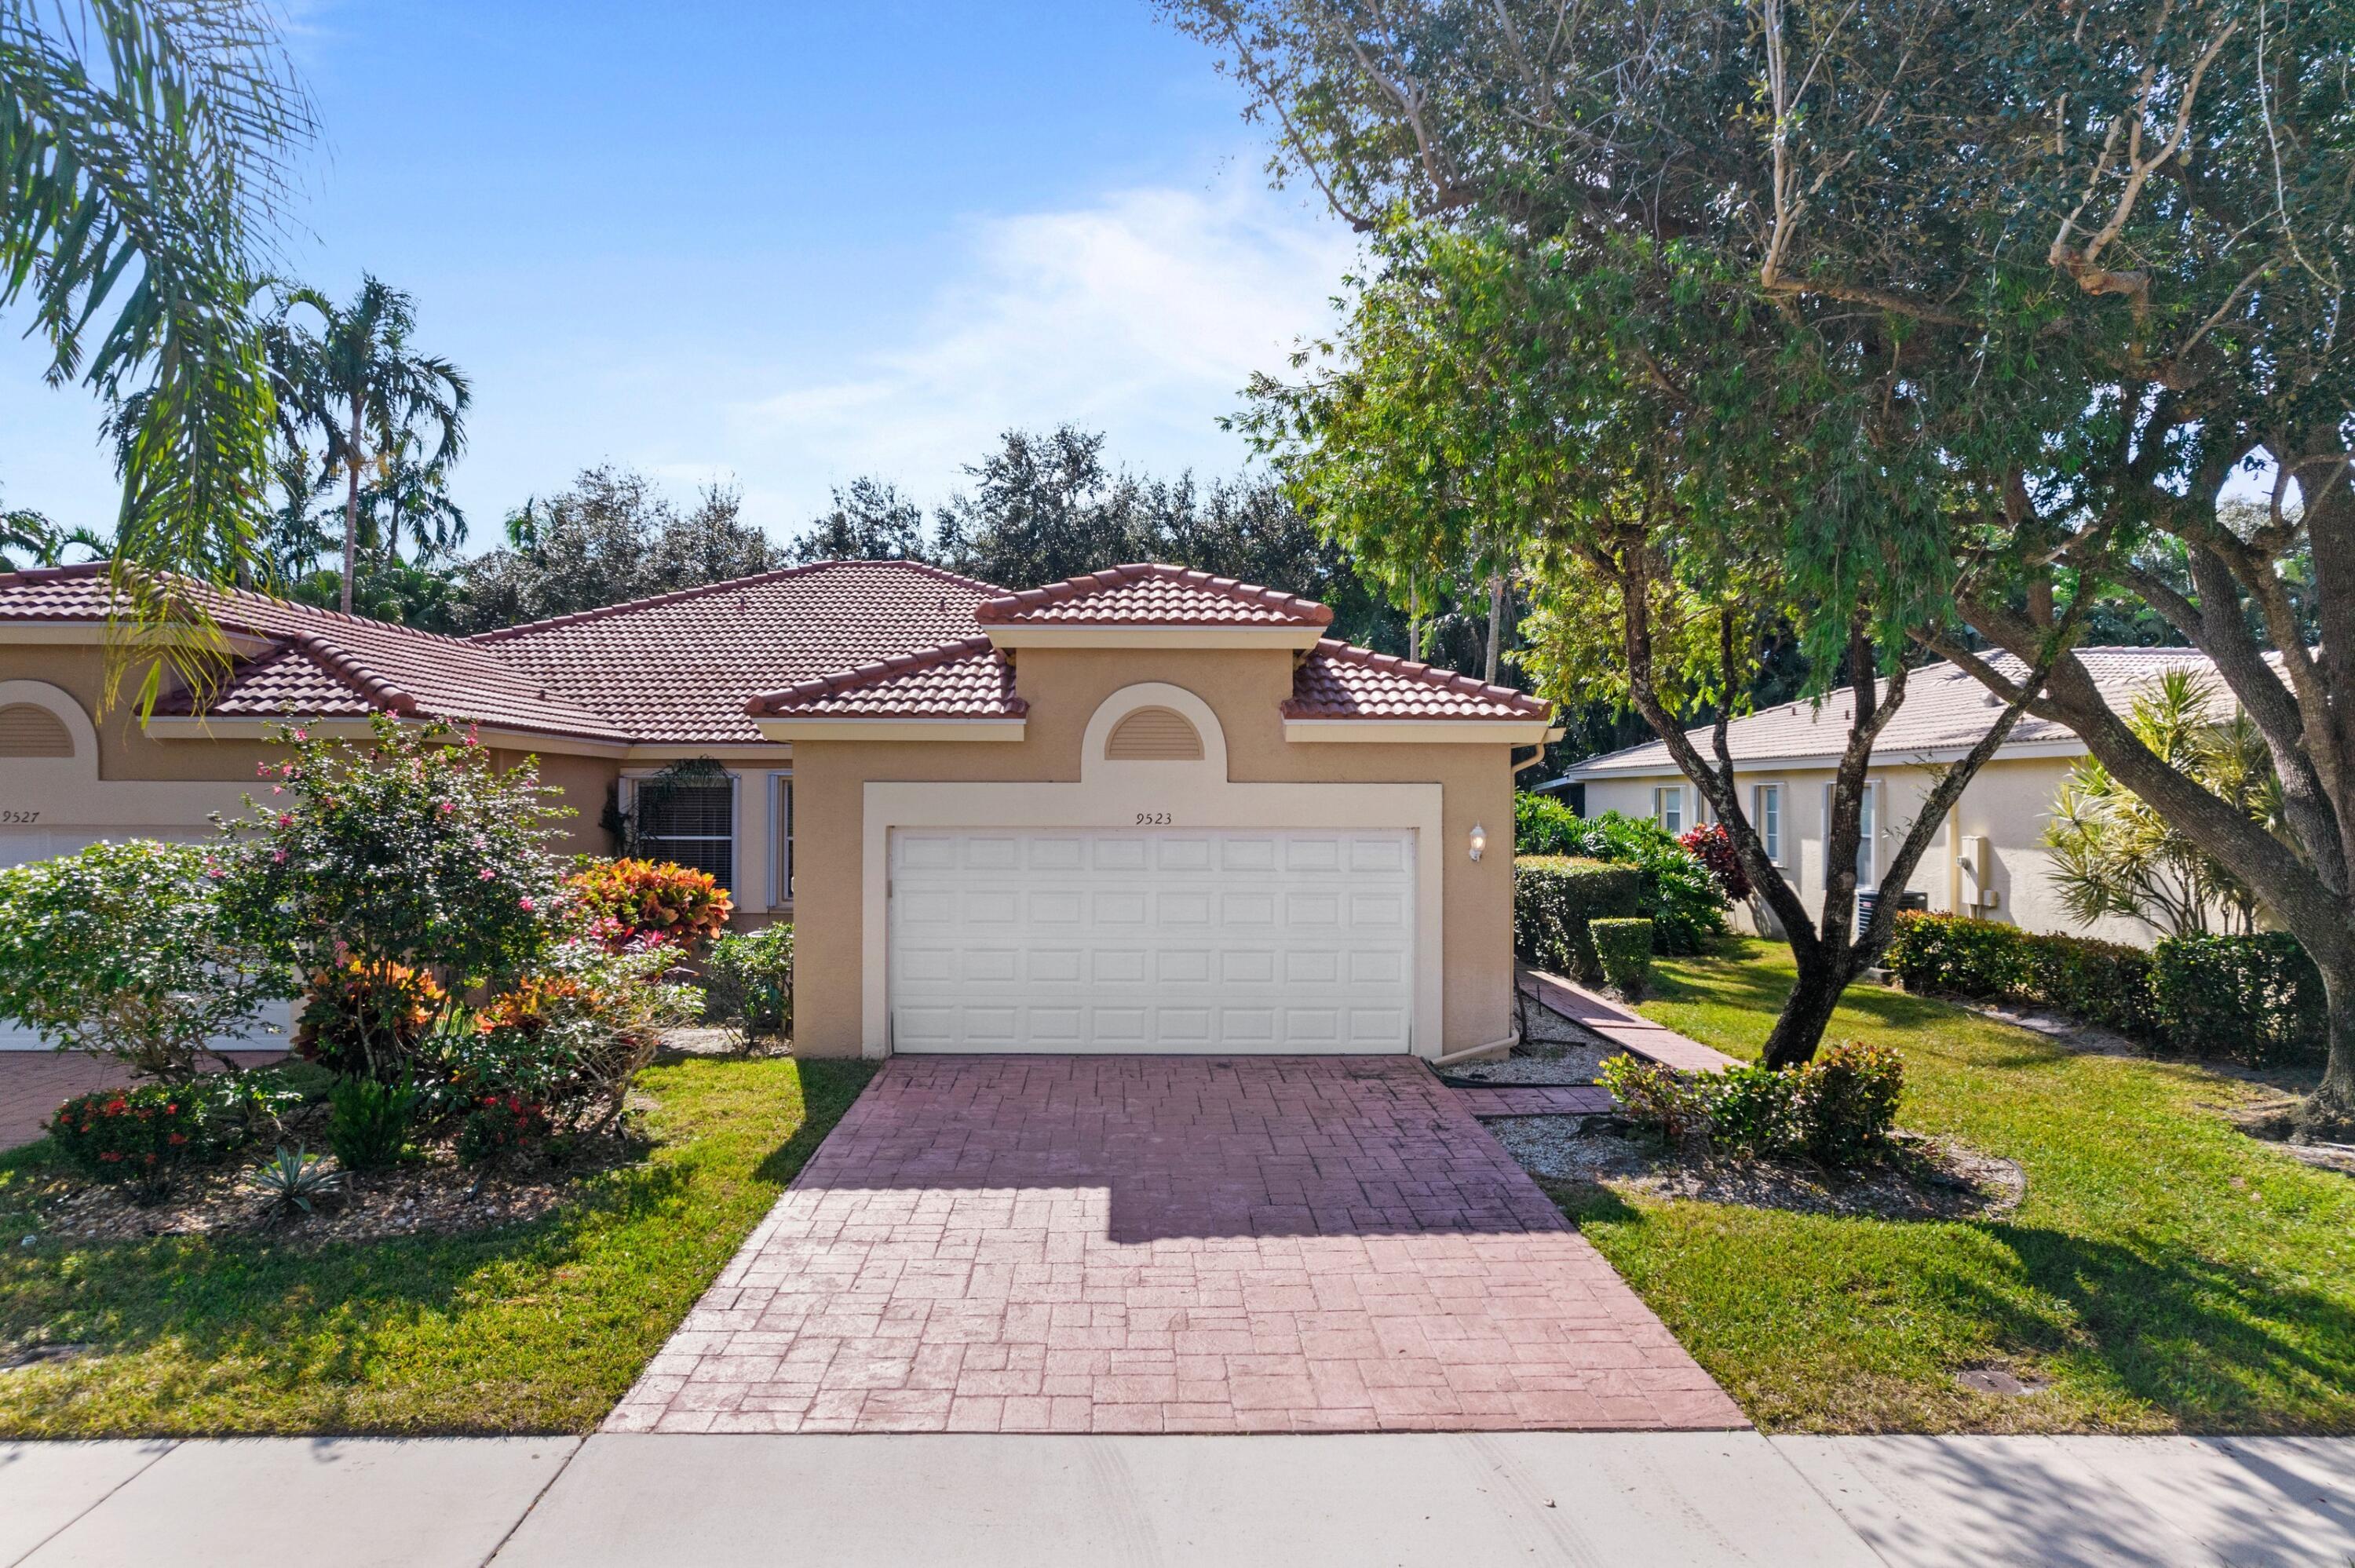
296	1182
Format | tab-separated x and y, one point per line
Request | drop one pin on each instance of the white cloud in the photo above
1142	315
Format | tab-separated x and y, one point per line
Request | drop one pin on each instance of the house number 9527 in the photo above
14	818
1153	819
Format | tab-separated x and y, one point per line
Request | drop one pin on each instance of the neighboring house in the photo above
1988	858
1144	810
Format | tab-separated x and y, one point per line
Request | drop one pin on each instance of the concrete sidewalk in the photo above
1424	1498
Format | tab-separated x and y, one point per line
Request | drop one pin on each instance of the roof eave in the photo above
797	727
1423	732
1916	757
1083	634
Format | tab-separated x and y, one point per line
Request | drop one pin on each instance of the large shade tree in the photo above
143	149
2093	257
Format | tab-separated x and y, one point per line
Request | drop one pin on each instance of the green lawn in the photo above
532	1328
2166	1272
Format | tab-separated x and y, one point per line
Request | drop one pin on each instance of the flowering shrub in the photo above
572	1037
501	1127
1713	847
748	979
410	849
120	949
369	1020
141	1136
624	901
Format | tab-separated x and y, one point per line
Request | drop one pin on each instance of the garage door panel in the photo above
1146	940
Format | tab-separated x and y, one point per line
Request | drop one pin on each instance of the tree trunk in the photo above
1825	970
1413	619
1496	622
352	507
2331	1111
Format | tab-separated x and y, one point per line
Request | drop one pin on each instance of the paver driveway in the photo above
1162	1245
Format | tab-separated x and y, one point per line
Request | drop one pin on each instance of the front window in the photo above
781	835
694	824
1867	829
1770	821
1668	809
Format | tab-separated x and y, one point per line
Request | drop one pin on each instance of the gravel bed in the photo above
1919	1178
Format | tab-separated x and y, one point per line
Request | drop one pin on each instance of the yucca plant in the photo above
296	1182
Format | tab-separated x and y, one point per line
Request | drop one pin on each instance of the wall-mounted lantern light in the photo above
1479	839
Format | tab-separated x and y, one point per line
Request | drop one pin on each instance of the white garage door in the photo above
1157	940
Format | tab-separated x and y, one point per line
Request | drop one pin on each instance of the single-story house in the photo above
1144	809
1988	859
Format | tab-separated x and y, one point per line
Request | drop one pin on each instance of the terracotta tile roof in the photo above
1342	681
328	663
677	669
1148	594
1945	710
969	679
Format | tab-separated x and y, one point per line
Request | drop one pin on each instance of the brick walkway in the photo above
1532	1099
33	1084
1165	1244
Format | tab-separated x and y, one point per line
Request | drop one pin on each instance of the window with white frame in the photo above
1668	808
781	837
1867	835
1767	816
690	822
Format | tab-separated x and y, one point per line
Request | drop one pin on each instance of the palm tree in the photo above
144	145
356	380
410	497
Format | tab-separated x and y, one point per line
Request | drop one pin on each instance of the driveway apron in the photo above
1155	1243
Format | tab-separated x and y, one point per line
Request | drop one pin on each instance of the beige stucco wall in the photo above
1064	687
2009	803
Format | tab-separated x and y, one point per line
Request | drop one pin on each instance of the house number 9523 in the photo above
1154	819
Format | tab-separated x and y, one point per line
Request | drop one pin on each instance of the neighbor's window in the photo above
694	824
1868	824
1766	814
780	833
1668	809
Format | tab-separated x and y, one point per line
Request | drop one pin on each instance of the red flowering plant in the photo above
412	850
1713	847
501	1128
621	903
139	1137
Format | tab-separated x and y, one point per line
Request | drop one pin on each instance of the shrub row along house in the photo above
1989	859
1143	810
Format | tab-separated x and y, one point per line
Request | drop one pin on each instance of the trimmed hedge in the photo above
1624	949
1555	896
2256	998
2253	999
1679	896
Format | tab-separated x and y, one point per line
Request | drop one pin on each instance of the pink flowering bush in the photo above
410	849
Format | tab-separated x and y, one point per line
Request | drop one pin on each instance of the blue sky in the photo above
779	246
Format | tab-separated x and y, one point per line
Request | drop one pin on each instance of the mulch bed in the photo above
428	1193
1917	1179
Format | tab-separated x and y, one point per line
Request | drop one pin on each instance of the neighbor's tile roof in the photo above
1148	594
678	668
1341	681
1945	710
324	664
969	679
